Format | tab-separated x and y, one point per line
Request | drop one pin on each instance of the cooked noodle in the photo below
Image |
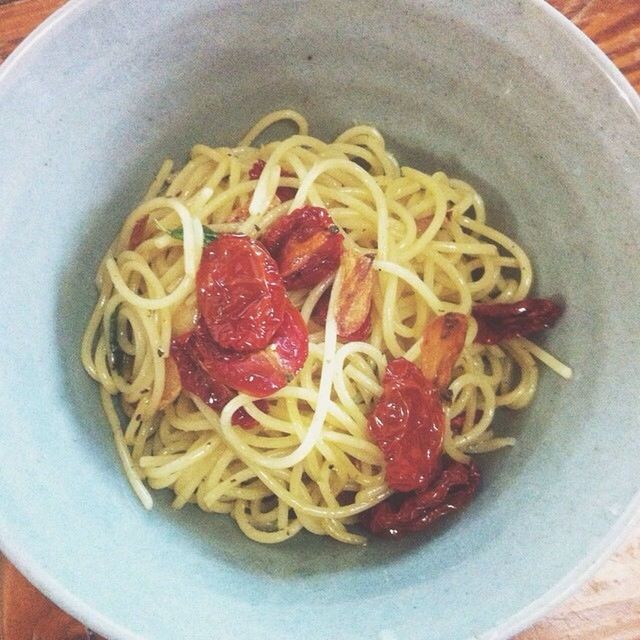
310	463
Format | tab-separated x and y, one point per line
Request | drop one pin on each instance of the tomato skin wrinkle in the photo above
284	193
407	423
501	321
259	373
306	244
240	293
418	510
195	379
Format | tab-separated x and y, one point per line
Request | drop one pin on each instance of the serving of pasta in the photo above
306	335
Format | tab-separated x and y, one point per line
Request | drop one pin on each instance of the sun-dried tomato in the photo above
404	513
500	321
306	244
258	373
407	424
138	232
241	295
196	380
284	193
442	343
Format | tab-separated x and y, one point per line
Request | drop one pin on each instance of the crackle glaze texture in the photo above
507	95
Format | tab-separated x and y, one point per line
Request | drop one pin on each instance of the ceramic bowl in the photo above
505	94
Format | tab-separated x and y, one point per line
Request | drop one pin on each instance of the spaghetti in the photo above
310	461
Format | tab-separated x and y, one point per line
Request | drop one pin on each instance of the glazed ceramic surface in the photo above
505	94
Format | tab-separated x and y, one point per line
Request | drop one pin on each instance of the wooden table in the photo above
607	608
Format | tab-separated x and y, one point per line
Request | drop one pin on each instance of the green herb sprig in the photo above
209	235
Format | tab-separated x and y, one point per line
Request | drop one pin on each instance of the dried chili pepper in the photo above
404	513
500	321
407	424
306	244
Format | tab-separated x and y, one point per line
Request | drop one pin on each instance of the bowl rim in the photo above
46	582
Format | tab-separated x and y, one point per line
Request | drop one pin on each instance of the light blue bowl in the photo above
506	94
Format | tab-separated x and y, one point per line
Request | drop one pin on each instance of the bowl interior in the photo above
483	92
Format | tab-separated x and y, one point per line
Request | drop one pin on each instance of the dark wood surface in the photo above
607	608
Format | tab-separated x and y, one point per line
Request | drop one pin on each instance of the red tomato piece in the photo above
320	311
259	373
407	424
306	244
240	293
291	342
256	169
458	422
284	193
138	232
404	513
500	321
195	379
